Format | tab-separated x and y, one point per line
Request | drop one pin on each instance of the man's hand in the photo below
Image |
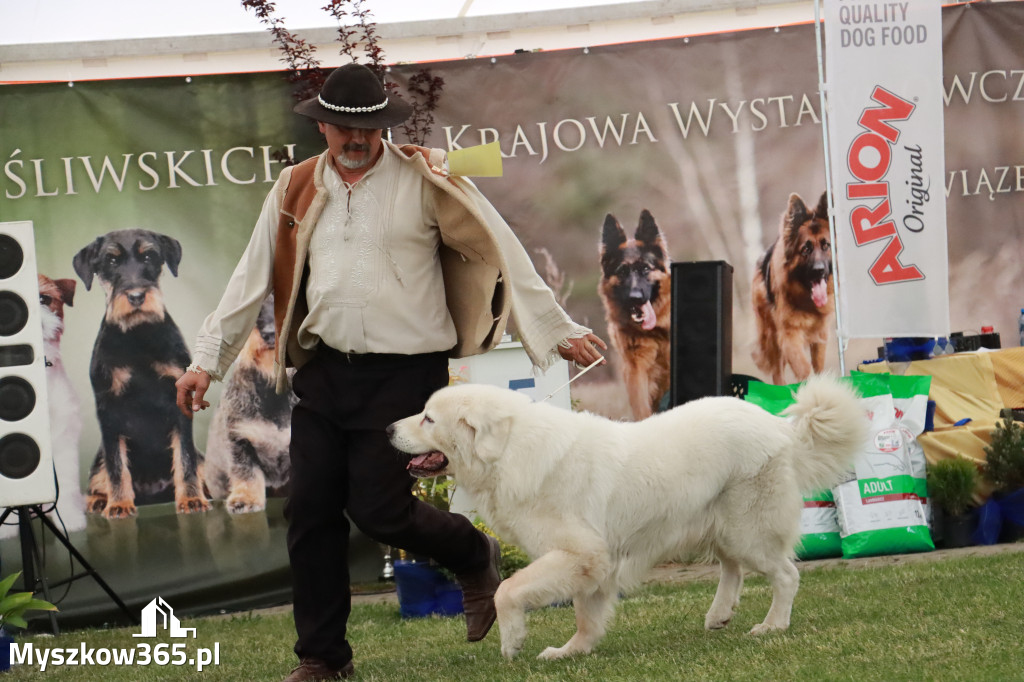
583	351
192	382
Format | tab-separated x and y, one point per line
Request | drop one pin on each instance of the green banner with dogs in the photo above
618	160
143	194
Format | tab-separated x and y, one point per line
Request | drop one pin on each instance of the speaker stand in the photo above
31	560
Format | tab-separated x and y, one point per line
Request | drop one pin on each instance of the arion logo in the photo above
869	159
159	612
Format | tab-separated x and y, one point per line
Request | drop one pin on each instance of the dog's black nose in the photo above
390	430
136	298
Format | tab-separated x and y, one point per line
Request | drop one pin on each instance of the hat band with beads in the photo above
352	110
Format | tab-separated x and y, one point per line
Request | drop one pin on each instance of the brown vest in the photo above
297	198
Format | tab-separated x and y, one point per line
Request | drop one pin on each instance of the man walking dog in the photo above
382	266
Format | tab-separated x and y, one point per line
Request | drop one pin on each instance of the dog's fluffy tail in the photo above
829	420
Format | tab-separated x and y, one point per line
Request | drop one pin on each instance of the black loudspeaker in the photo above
26	459
701	330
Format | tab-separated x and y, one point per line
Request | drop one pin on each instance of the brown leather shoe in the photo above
478	595
315	670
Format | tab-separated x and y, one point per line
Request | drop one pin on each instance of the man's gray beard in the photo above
354	164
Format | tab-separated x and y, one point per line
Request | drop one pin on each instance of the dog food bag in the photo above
880	509
819	527
773	398
910	398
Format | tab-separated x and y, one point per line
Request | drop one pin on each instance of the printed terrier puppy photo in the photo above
247	449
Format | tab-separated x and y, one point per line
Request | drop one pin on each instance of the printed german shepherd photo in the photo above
792	294
636	291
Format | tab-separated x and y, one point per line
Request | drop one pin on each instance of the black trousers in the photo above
341	461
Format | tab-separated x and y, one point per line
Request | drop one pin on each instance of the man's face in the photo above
352	148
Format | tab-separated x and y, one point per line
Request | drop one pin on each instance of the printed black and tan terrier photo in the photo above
147	454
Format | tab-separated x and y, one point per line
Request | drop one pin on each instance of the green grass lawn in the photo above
961	618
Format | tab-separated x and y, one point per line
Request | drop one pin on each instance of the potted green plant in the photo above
1004	469
12	614
951	484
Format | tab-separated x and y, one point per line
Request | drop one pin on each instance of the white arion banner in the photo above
885	109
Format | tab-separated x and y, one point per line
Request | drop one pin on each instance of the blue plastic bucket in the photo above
423	590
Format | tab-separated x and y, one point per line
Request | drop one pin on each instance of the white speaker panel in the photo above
21	484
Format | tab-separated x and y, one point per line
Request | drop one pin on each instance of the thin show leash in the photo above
589	367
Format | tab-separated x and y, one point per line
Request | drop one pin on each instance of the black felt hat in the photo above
353	97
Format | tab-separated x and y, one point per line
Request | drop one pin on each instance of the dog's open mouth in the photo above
819	292
427	465
645	316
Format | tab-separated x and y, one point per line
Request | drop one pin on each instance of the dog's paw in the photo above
512	641
716	622
510	651
243	505
95	504
511	625
553	653
120	510
763	629
190	505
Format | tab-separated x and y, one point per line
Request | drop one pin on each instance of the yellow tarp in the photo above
1009	369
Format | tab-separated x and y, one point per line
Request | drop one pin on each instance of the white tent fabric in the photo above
49	21
66	40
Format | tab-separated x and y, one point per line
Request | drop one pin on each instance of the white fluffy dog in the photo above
597	503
